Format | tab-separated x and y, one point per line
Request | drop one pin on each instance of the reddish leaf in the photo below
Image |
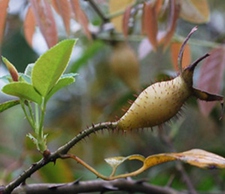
211	77
174	50
126	17
158	6
29	26
81	17
45	20
174	15
149	23
62	7
3	14
75	7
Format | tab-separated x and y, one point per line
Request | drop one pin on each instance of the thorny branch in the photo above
52	157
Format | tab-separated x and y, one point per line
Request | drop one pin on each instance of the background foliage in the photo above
154	34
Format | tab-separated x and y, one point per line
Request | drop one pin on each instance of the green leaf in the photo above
51	65
60	84
29	69
6	105
22	90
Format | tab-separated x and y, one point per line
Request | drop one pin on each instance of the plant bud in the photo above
161	101
124	63
12	70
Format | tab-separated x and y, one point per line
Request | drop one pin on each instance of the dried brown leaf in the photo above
211	77
149	23
62	7
158	6
75	4
195	11
29	26
45	20
174	51
126	18
3	14
201	159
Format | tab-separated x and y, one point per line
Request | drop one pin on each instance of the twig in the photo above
57	154
98	11
100	186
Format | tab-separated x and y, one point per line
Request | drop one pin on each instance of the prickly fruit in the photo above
161	101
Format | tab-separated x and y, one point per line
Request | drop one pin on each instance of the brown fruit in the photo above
124	63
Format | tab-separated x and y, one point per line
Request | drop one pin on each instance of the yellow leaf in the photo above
195	11
115	6
201	158
157	159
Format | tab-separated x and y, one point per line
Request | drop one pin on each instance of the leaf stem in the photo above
29	117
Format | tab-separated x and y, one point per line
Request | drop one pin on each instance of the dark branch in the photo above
100	186
98	11
57	154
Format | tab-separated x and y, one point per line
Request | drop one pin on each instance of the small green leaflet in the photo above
22	90
6	105
50	66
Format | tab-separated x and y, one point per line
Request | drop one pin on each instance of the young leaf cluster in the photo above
37	84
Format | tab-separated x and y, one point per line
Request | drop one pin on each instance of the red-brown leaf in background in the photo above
81	17
29	26
174	15
158	6
149	23
3	14
174	51
211	77
62	7
45	20
126	18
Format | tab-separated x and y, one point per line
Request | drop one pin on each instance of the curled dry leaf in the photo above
195	11
196	157
211	77
201	158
